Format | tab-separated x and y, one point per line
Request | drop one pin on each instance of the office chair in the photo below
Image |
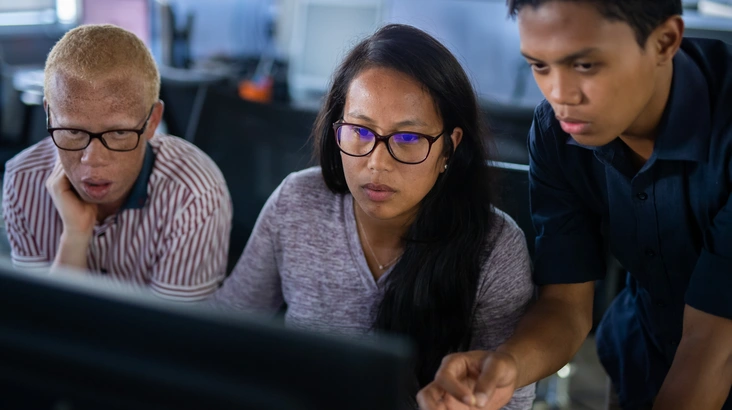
256	146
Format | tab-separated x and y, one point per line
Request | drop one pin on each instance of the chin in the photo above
111	197
96	201
591	140
375	210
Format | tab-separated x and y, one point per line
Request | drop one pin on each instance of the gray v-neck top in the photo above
305	251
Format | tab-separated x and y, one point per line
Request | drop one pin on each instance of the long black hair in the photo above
431	292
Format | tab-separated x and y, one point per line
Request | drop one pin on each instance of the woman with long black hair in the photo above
395	231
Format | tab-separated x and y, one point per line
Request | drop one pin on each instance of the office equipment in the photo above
322	32
74	343
28	30
35	12
131	15
702	25
508	127
184	91
721	8
256	146
174	39
513	196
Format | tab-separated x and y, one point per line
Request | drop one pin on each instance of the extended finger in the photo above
430	397
495	372
455	372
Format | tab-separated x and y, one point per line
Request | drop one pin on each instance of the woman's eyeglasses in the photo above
406	147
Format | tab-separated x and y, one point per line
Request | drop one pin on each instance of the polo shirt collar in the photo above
138	195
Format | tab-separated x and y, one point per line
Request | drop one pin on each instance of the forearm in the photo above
549	335
701	374
696	381
72	251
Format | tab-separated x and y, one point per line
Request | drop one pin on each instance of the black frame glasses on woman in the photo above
79	133
410	139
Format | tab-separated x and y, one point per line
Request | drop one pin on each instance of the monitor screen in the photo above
26	5
28	12
131	15
322	34
72	344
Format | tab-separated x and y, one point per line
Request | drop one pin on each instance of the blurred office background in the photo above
243	79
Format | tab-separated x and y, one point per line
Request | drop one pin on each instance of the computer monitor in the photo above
78	344
322	32
131	15
31	12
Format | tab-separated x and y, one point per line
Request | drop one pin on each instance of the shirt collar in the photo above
685	127
684	132
138	194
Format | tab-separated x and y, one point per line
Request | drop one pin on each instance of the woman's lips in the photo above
378	192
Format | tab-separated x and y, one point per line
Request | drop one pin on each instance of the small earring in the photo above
445	167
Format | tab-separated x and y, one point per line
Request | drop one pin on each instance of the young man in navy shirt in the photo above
632	146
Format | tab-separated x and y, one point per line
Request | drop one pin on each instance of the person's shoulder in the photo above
39	157
506	236
305	189
180	163
303	201
714	59
713	56
508	264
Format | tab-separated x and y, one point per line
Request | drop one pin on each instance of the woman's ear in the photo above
455	137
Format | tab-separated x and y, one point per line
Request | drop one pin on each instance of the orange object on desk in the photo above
258	91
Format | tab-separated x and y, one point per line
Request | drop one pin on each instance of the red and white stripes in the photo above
177	243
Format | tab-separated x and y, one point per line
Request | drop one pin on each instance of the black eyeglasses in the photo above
406	147
75	139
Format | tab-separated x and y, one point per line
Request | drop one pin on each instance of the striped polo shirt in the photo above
172	233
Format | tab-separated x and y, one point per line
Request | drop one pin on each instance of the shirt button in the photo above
650	252
642	196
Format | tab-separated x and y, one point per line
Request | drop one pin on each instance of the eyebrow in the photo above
412	122
568	58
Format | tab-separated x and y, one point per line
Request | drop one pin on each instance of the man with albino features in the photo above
105	194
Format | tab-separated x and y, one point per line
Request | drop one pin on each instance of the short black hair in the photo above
643	16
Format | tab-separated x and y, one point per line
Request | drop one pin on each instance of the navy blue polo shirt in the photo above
669	224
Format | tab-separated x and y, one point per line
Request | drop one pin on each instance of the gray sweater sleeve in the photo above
506	291
255	285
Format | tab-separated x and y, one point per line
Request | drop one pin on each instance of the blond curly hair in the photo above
103	52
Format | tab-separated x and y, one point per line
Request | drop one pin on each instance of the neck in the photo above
382	233
382	241
640	137
106	210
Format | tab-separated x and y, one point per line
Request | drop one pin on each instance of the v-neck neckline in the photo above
357	252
